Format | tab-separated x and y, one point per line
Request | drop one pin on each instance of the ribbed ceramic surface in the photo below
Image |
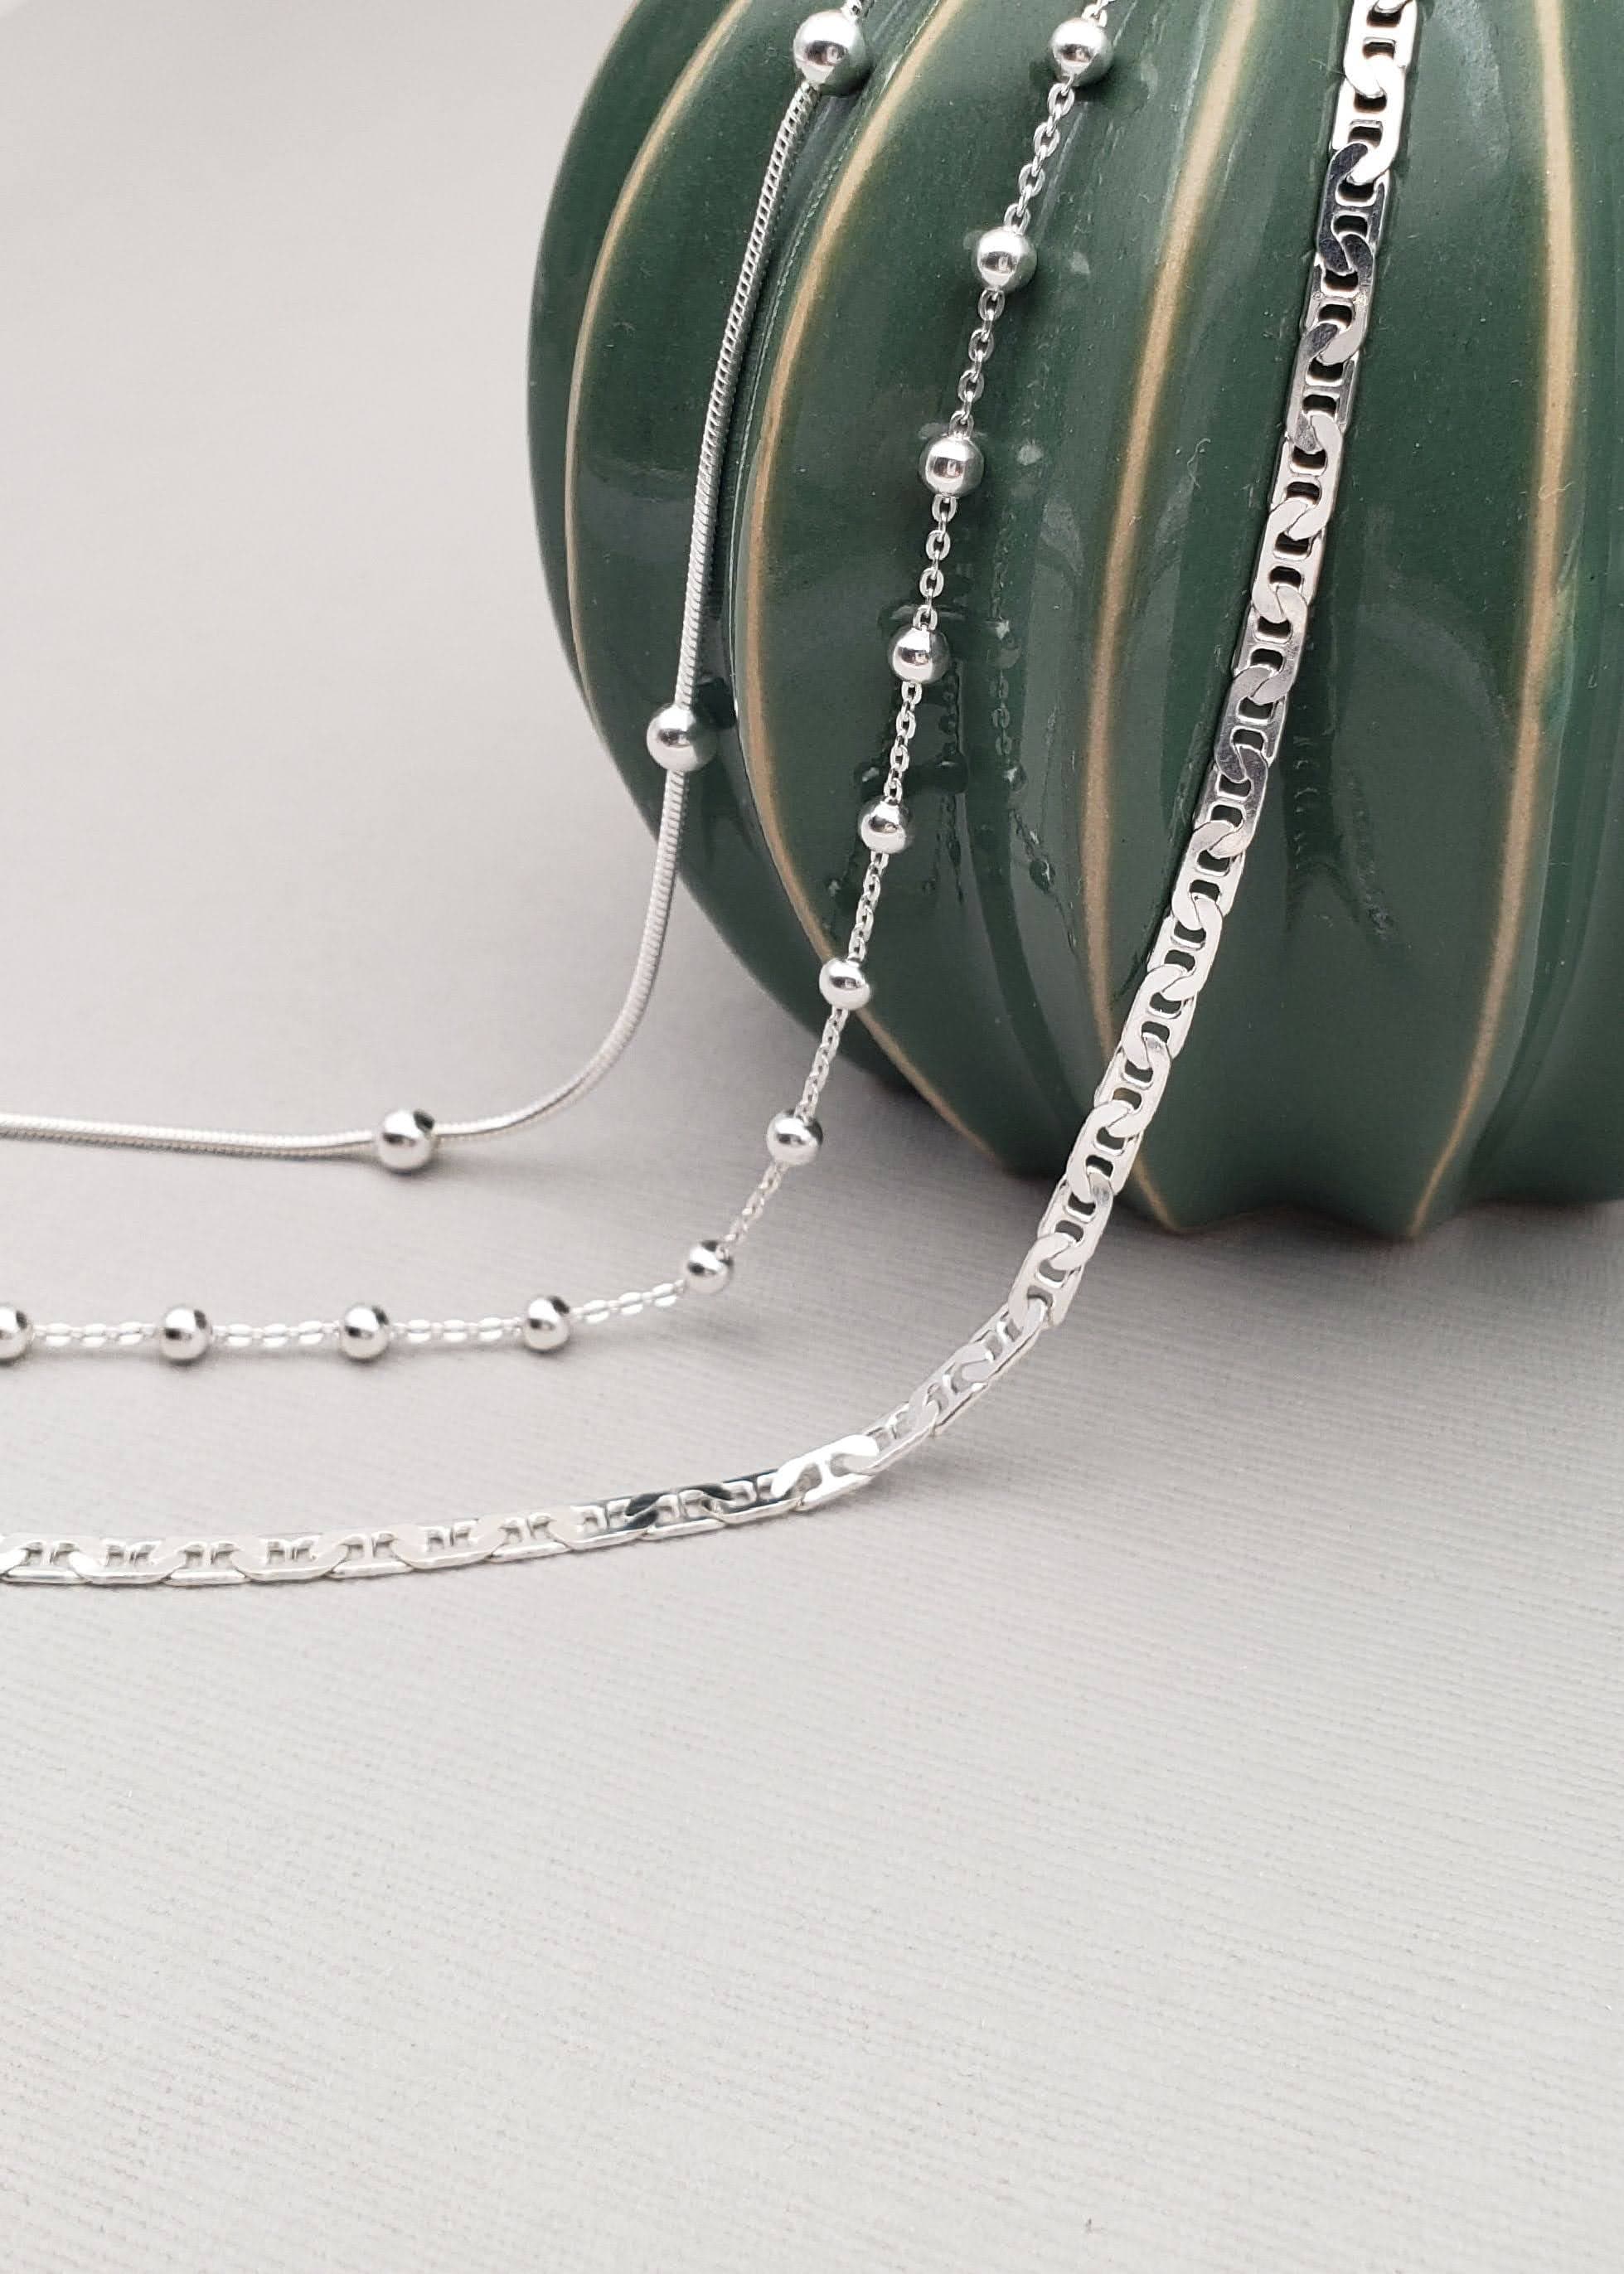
1417	1003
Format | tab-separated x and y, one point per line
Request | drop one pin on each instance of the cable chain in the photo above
1031	183
312	1337
1353	213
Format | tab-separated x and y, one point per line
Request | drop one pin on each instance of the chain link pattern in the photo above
1308	473
317	1338
1030	185
1352	218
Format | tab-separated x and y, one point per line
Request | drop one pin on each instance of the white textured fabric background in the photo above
1177	1831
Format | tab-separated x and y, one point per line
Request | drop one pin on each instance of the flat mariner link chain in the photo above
1366	141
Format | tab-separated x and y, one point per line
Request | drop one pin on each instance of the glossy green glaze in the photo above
1415	1005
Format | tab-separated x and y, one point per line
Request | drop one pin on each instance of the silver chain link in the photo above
1352	218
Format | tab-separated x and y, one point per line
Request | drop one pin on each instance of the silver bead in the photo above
708	1268
953	466
885	827
681	740
184	1335
919	658
844	984
794	1139
16	1334
406	1142
547	1324
831	53
1006	259
1082	51
363	1332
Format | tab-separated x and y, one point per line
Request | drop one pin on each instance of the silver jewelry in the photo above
680	740
407	1141
953	466
709	1268
1006	260
843	983
547	1324
184	1335
794	1139
832	52
832	56
363	1332
919	656
1369	120
1082	51
885	827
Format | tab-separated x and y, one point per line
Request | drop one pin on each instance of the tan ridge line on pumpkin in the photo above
1205	153
1546	609
658	135
753	736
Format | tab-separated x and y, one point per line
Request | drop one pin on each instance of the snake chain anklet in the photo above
832	56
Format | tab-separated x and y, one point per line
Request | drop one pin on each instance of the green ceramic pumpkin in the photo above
1419	1000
